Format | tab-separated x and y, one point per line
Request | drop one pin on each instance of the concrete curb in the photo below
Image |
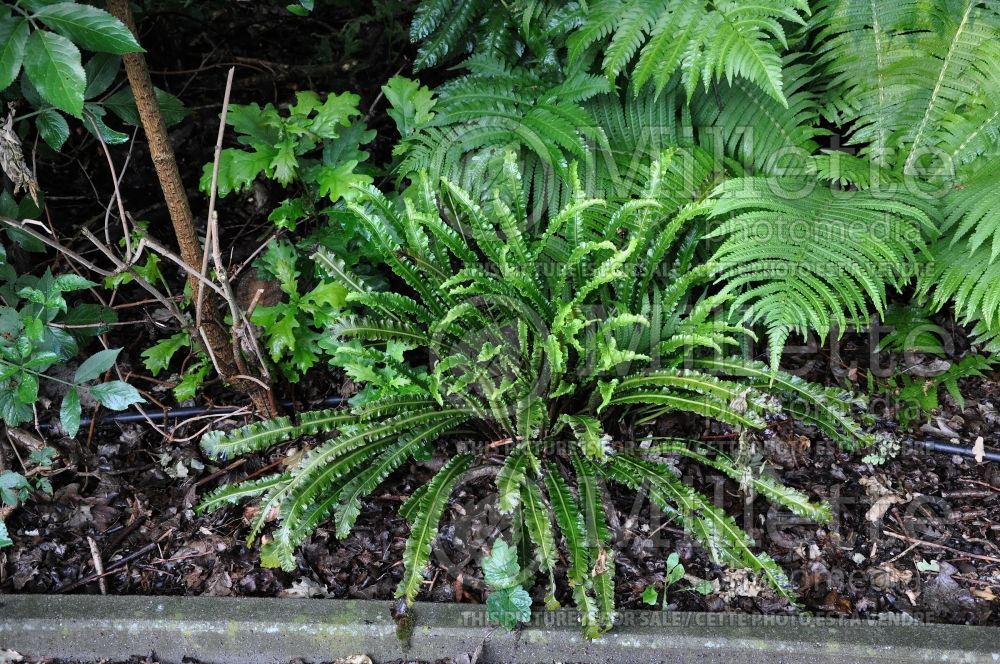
265	630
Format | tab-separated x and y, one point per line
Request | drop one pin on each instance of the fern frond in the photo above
589	435
442	26
539	526
972	209
802	258
411	506
231	494
570	520
369	478
510	478
756	128
598	539
705	41
825	407
425	526
312	496
900	72
796	501
571	525
970	280
260	435
718	533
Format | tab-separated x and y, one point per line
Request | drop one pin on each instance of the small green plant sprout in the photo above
704	587
674	573
15	487
886	447
918	396
928	566
508	603
35	324
315	144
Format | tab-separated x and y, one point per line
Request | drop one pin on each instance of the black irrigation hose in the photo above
128	416
133	415
950	448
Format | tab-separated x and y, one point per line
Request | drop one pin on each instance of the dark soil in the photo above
133	493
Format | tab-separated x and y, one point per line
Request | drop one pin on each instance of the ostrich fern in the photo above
546	339
753	90
649	41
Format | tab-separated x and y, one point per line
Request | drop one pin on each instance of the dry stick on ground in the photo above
935	545
218	339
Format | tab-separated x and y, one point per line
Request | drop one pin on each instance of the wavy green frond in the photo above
589	435
570	521
425	526
796	501
510	478
369	478
231	494
725	541
598	539
260	435
538	522
825	407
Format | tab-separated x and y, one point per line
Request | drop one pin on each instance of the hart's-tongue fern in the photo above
541	340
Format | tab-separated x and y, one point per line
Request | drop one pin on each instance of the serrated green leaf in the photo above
90	27
96	364
53	128
122	104
102	70
12	411
69	412
95	124
509	607
53	65
13	39
67	283
27	388
156	358
500	567
116	395
191	381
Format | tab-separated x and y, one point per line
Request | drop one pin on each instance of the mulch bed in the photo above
133	494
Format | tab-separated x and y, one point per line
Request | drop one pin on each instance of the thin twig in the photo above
212	232
95	553
114	180
108	570
138	278
935	545
66	251
160	249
